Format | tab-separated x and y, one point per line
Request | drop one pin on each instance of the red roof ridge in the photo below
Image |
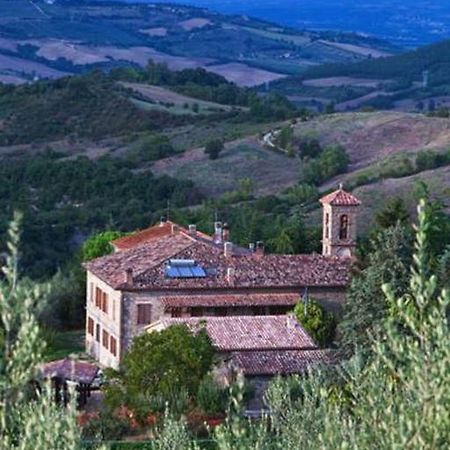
156	231
340	198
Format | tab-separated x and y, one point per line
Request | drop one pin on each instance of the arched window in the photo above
343	228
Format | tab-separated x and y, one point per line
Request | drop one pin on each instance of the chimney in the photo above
259	248
226	232
251	247
193	230
175	228
129	276
228	249
162	221
218	232
230	275
290	322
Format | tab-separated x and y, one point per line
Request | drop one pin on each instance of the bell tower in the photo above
340	211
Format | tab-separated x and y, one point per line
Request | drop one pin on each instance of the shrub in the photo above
316	321
213	148
211	398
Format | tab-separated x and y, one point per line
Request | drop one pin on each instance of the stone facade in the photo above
109	322
339	230
121	320
127	291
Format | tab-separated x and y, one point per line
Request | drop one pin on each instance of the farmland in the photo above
59	38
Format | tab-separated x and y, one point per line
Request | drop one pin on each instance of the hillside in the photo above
382	149
417	80
49	39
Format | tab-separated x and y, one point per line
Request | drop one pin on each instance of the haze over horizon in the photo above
407	23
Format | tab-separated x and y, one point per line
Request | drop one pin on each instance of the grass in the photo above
64	343
271	172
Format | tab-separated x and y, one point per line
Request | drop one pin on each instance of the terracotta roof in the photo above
340	198
248	333
181	301
242	270
280	362
149	234
68	369
112	268
141	237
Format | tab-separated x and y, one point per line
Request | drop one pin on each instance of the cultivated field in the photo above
342	81
19	66
194	23
158	31
357	49
244	75
161	95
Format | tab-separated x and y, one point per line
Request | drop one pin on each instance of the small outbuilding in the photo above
67	372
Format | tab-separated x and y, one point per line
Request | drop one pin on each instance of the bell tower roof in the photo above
340	198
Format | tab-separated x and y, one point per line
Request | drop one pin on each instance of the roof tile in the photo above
227	300
340	198
280	362
249	333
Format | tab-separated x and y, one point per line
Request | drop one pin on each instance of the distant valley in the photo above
50	39
407	23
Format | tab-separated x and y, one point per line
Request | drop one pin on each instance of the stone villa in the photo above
168	274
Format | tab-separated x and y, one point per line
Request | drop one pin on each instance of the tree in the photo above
364	309
393	213
213	148
99	244
439	223
28	419
396	398
284	138
162	367
309	147
316	321
282	243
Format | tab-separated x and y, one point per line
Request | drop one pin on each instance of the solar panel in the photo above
198	272
184	268
172	272
185	272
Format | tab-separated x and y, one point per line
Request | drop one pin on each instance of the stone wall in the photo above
332	244
110	322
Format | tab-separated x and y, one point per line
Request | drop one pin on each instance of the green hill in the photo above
47	39
414	81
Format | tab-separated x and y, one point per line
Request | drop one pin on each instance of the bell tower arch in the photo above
340	211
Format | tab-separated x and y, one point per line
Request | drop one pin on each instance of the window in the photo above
343	228
97	333
105	302
105	339
91	292
113	307
197	312
98	297
113	346
327	225
90	326
144	314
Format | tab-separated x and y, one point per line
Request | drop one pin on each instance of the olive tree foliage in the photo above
397	398
28	419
